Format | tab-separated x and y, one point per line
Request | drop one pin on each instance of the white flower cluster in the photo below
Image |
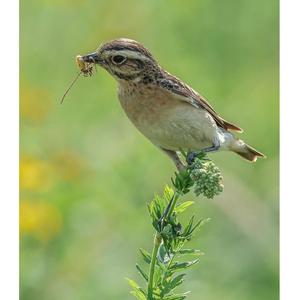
207	178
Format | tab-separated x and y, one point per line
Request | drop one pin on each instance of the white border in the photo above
290	124
9	137
289	150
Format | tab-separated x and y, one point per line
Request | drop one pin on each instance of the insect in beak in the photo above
86	64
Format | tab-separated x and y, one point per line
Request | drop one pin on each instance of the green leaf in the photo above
146	255
138	292
168	193
158	272
138	295
177	266
183	206
142	273
199	224
188	228
170	286
177	296
204	221
150	208
133	284
191	251
202	155
163	255
156	207
173	181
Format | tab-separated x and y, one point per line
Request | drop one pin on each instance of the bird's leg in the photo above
193	154
174	156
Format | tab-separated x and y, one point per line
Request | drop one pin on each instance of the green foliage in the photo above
169	257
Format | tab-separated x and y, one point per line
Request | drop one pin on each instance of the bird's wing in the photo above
187	94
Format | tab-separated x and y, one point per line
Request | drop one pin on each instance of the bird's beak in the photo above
92	58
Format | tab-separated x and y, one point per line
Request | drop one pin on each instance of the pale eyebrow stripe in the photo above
128	53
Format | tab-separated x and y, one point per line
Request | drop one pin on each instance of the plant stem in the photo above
157	242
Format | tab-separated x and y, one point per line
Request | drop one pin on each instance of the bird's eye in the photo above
118	59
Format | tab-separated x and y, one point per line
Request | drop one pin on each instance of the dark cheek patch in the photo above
139	64
134	64
129	66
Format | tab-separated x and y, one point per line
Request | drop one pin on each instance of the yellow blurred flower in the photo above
35	174
68	165
40	219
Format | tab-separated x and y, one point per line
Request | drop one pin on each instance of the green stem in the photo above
157	242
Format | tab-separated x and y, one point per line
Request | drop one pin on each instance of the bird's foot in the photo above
191	157
193	154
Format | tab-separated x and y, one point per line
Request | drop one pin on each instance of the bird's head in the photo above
125	59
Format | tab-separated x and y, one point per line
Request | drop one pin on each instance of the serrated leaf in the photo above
177	266
142	273
183	206
146	255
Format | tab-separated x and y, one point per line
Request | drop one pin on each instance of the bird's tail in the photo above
241	148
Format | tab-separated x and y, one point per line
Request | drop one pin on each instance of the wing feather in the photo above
188	95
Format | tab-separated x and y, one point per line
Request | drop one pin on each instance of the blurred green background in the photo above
87	173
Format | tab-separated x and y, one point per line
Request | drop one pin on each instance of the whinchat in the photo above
162	107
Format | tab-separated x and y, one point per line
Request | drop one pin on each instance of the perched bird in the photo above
163	108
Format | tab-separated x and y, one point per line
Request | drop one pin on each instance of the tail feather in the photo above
246	151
